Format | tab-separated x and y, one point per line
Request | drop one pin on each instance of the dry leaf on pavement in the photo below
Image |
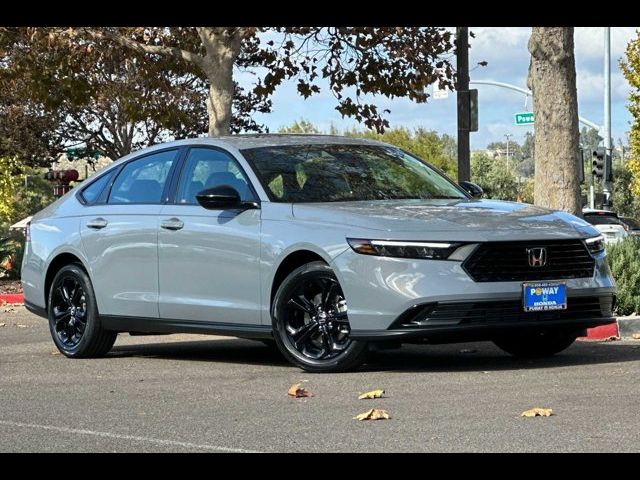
636	336
55	352
297	391
373	414
371	395
19	325
2	324
537	412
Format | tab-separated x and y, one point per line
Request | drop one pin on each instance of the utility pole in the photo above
607	186
462	93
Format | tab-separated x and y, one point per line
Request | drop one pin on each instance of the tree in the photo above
354	61
103	97
515	150
494	176
301	126
552	79
589	140
8	186
631	70
526	168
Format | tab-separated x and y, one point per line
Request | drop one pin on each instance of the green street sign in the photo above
524	118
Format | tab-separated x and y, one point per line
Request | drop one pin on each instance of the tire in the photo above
73	315
536	345
314	333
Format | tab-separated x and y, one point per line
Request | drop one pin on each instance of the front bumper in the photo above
380	289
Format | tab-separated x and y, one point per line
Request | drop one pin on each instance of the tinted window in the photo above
208	168
91	193
143	180
602	220
325	173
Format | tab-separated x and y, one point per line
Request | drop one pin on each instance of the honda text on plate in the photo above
325	245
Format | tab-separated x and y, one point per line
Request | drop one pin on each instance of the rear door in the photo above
209	259
120	236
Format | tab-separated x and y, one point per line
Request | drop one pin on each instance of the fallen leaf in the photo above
373	414
19	325
371	395
537	412
2	324
298	392
55	352
636	336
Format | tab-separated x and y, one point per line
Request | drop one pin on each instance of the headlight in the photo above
595	244
402	249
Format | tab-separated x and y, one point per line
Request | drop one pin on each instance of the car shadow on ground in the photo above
469	357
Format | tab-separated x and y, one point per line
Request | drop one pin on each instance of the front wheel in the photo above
310	322
533	345
73	315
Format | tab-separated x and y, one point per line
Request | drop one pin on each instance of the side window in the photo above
208	168
92	192
143	180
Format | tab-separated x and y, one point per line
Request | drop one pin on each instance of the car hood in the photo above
462	220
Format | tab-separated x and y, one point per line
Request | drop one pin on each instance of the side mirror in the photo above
472	189
219	198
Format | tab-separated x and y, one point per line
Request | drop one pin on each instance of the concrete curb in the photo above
629	325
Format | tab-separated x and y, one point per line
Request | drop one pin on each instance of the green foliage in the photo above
11	253
625	203
300	126
32	197
624	260
9	167
494	176
630	67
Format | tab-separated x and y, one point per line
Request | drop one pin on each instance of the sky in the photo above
505	50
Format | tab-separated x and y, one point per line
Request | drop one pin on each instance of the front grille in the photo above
497	312
508	261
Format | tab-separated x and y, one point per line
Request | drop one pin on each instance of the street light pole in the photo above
607	187
462	93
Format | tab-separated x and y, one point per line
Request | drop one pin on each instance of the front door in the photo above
209	259
120	238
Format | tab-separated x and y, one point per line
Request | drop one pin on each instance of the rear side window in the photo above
143	180
91	193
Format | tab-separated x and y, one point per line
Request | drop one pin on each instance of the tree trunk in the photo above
222	51
552	79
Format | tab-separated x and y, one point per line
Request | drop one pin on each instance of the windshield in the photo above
602	220
332	173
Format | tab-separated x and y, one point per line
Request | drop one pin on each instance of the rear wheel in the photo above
73	315
310	322
533	345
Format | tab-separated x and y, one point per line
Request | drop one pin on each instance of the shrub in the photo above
624	260
11	252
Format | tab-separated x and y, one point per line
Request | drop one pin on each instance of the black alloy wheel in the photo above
311	325
73	315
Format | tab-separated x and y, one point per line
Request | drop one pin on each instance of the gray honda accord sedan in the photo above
325	246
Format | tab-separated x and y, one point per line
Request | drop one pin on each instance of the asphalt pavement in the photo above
183	393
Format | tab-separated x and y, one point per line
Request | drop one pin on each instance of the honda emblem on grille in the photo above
537	256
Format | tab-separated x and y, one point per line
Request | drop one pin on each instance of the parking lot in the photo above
197	393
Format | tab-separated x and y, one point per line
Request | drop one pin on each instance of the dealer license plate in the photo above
541	296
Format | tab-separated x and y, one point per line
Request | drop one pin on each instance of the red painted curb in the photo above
603	332
11	298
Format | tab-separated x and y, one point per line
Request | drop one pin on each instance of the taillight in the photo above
27	232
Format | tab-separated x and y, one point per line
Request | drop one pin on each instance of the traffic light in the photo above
598	163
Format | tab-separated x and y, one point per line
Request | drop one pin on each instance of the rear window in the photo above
602	219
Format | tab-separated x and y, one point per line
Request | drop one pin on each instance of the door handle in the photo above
97	223
172	224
